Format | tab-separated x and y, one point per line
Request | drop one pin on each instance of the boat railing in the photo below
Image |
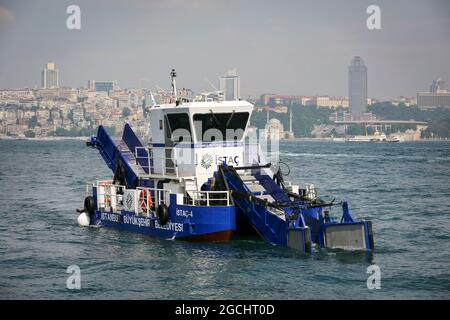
207	198
108	195
142	200
151	198
157	160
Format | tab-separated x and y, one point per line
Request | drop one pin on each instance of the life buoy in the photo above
145	197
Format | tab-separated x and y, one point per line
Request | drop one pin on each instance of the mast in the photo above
173	75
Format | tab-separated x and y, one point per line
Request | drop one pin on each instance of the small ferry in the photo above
203	178
377	136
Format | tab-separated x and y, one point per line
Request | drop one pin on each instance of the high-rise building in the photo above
230	85
357	86
50	76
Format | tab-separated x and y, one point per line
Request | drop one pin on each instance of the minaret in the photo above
267	116
290	120
290	134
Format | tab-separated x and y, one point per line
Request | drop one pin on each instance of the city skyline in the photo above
276	47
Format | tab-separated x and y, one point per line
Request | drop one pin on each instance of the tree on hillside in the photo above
29	134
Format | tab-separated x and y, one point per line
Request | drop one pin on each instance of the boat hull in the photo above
195	223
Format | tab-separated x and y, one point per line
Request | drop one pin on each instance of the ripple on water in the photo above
400	187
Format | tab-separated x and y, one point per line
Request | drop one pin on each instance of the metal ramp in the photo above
130	157
288	219
119	155
276	225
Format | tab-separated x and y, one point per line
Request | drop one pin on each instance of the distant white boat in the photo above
393	139
376	137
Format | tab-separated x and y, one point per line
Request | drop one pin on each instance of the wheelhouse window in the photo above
178	127
212	126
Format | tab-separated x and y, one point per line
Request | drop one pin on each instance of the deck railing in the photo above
108	195
149	204
207	198
158	160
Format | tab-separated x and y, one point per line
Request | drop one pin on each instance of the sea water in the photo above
402	187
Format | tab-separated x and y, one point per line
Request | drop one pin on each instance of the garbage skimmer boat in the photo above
189	184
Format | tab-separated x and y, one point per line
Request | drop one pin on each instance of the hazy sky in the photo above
285	47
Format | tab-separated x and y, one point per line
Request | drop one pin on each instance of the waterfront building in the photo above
274	129
437	97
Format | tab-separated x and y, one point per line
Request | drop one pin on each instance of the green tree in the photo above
29	134
61	132
32	123
126	112
303	118
355	129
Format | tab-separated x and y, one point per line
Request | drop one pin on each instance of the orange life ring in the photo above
145	197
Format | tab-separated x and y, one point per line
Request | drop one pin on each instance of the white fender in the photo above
83	219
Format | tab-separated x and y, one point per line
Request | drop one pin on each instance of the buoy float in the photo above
84	220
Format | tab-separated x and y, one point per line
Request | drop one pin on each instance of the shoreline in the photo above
307	139
44	138
341	141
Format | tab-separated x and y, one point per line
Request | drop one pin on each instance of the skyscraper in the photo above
357	86
230	85
50	76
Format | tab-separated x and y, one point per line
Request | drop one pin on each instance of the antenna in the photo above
167	94
210	83
153	99
164	92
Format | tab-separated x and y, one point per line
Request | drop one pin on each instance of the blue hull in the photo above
185	222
